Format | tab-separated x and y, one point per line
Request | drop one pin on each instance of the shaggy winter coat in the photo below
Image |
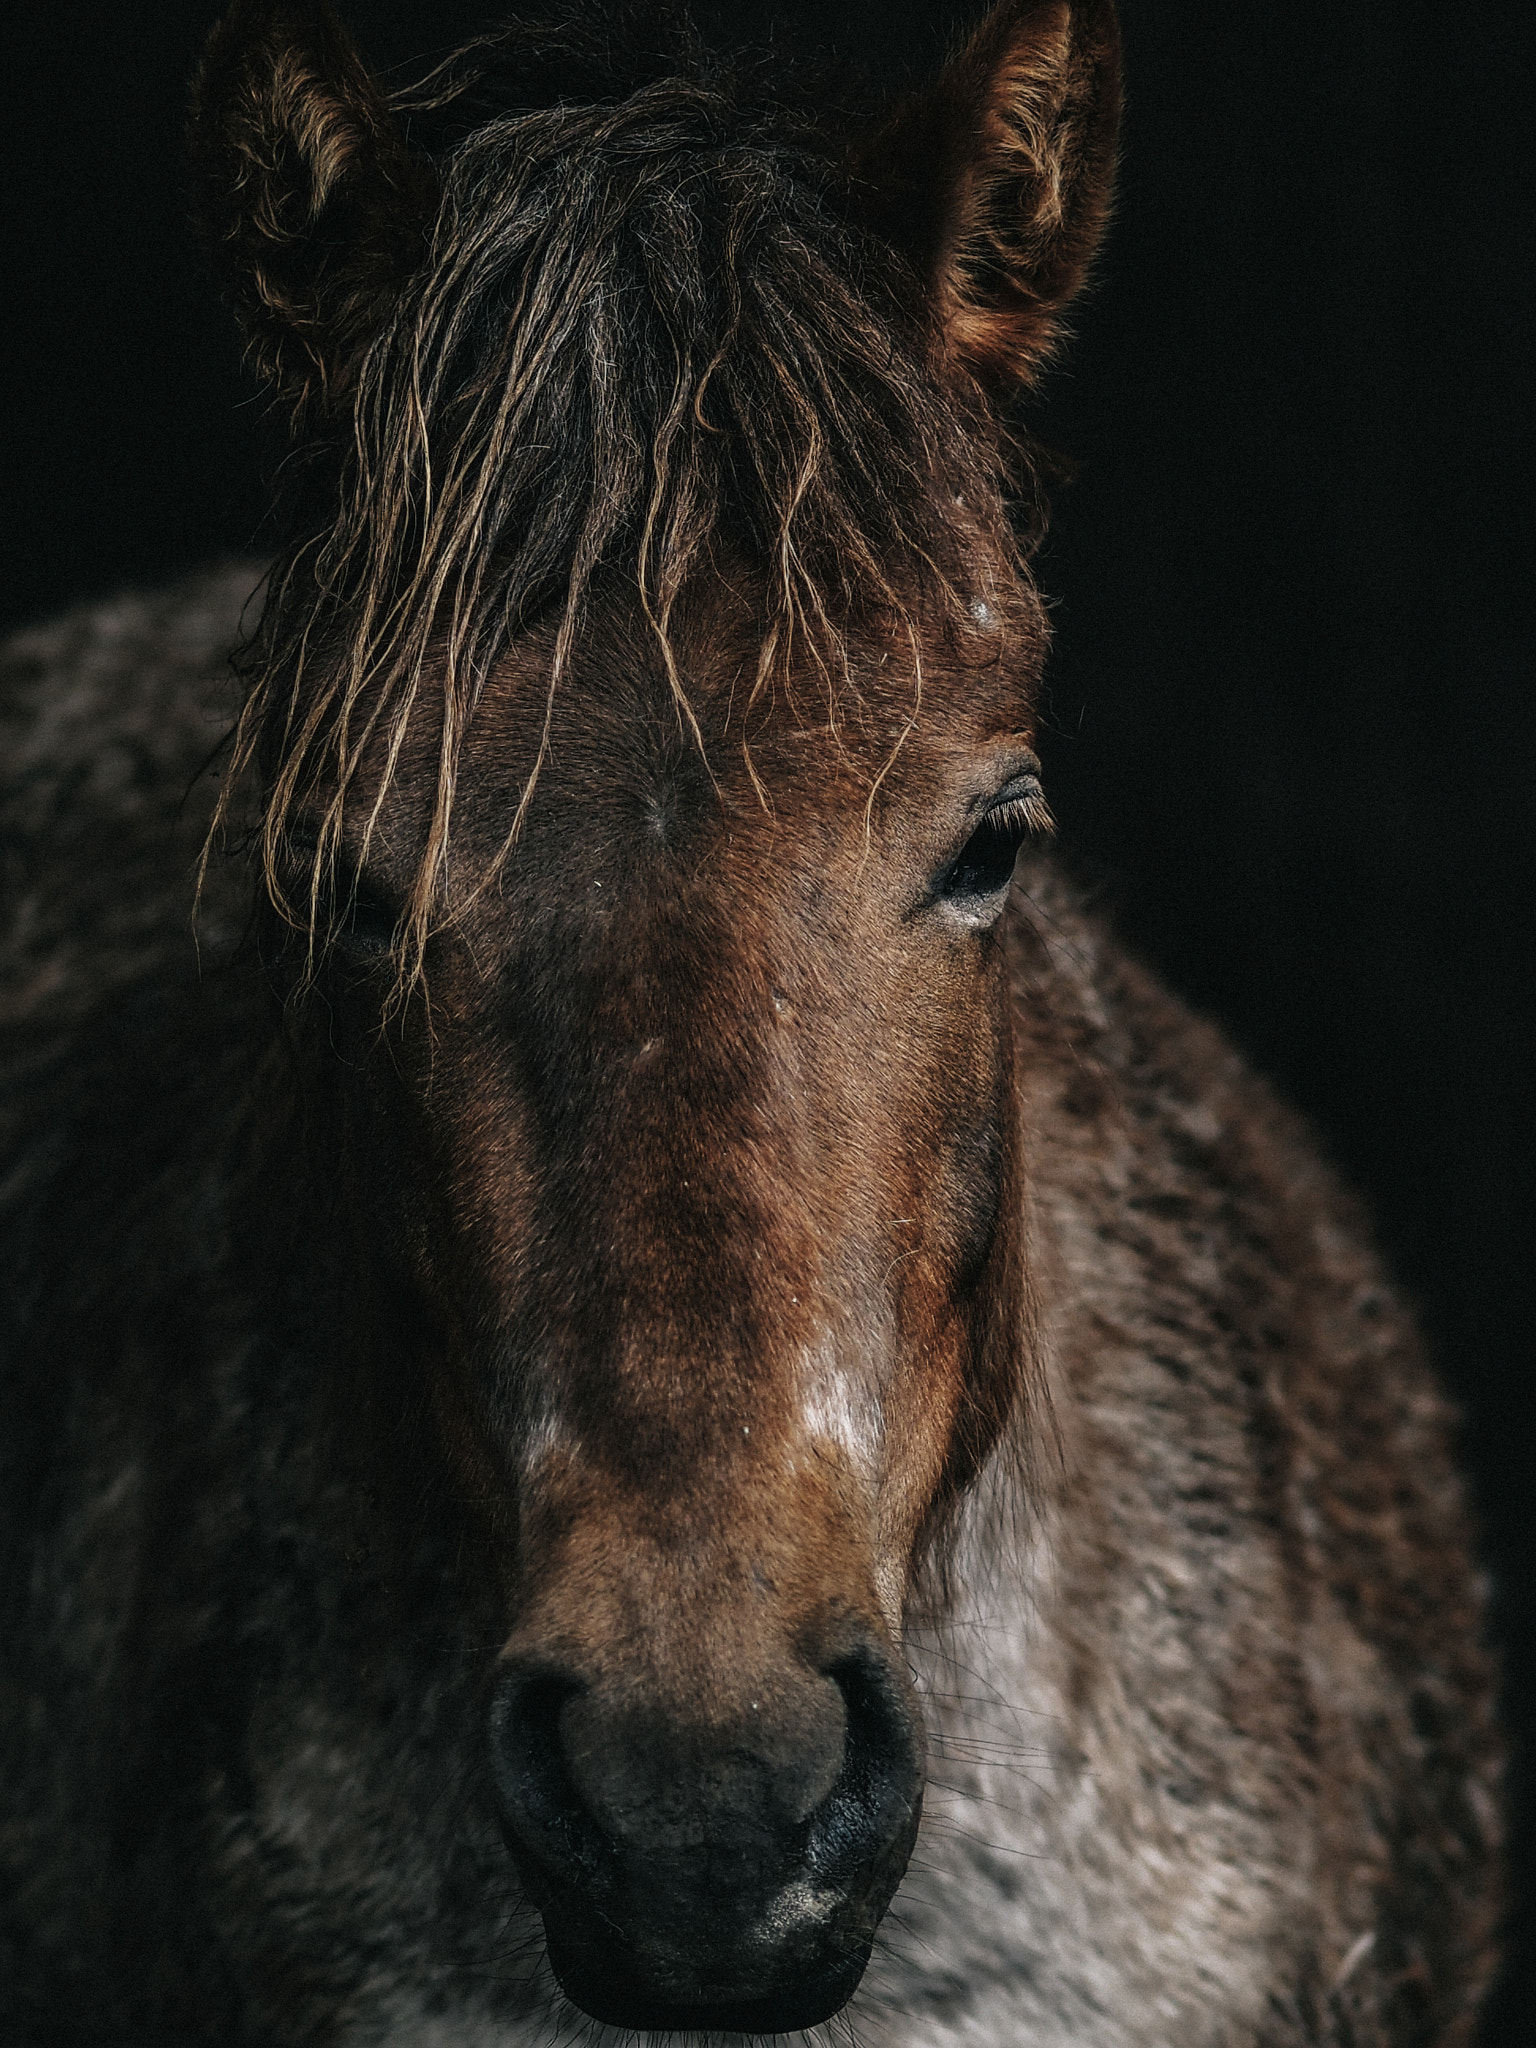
1211	1750
640	1375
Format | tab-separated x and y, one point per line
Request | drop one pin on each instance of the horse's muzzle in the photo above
730	1878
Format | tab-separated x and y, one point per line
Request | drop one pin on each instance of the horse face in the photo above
699	1151
695	1146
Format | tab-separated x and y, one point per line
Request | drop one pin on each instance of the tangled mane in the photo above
645	328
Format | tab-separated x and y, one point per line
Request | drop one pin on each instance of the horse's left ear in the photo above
308	185
999	180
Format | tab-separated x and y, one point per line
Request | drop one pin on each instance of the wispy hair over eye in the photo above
647	330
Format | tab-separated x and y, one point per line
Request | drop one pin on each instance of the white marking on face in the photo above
835	1408
983	613
548	1434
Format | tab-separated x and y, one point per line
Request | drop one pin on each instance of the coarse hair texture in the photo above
646	330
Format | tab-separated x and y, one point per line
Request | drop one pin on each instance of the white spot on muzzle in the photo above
840	1411
836	1409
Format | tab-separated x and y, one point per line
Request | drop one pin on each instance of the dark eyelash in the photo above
342	906
1026	813
983	865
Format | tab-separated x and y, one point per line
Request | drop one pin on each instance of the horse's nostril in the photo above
554	1835
694	1875
870	1816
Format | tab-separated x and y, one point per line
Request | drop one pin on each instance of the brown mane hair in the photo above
646	328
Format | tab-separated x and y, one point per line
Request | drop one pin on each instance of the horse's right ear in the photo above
309	188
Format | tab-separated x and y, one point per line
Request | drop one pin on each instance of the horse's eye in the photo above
365	921
984	865
338	906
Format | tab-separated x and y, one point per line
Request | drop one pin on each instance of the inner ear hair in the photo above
998	181
307	186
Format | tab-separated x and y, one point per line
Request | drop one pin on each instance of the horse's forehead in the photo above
895	707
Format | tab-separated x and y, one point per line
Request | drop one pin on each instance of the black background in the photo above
1292	723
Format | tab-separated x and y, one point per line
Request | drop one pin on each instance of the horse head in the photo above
641	737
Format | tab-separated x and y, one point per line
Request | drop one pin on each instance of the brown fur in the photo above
655	1286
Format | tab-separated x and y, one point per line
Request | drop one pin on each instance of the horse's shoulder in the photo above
114	703
1203	1260
111	716
1192	1210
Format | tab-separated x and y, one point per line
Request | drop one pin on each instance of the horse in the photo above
648	1385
